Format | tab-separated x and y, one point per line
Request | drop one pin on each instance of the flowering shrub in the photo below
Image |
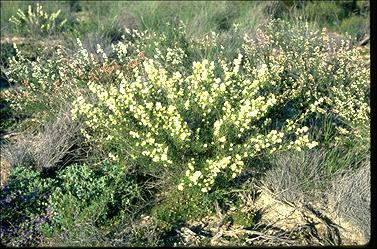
214	116
207	121
40	83
37	21
44	83
321	76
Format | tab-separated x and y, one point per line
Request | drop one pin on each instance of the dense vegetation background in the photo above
170	123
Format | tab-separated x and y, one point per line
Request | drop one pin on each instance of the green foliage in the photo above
345	17
180	207
200	17
324	12
7	51
24	207
6	116
101	197
77	195
347	155
38	90
355	25
244	219
29	189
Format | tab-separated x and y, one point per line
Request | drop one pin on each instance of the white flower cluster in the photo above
326	77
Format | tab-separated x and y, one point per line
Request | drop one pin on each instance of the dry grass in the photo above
296	176
137	232
5	171
56	146
350	196
279	223
299	180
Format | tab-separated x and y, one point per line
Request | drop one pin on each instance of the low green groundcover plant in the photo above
35	207
24	207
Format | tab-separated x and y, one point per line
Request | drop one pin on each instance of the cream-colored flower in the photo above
180	187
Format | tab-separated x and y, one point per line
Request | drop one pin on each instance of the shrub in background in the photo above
37	21
355	25
41	85
324	12
319	70
339	16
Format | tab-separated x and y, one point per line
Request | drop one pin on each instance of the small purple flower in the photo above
8	199
43	220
